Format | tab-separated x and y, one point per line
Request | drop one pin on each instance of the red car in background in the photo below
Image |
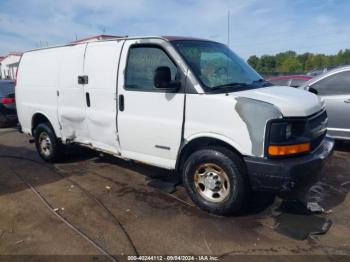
293	80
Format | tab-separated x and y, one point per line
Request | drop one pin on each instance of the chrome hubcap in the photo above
212	182
45	144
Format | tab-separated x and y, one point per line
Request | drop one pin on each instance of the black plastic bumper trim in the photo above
278	175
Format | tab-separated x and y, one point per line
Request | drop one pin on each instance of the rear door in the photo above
335	89
71	95
149	119
101	67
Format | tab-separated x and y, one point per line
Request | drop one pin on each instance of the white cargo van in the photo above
178	103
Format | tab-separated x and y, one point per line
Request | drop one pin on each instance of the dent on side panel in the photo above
255	115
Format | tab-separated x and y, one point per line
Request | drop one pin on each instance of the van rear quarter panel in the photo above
37	85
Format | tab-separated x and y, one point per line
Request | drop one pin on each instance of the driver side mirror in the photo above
313	90
162	79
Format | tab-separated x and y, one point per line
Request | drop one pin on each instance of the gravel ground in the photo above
91	205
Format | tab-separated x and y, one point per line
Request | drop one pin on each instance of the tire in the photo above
199	182
47	144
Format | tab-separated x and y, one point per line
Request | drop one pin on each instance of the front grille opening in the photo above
316	124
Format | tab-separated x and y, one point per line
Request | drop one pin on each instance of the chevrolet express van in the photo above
184	104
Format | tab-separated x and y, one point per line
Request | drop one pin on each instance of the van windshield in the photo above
216	66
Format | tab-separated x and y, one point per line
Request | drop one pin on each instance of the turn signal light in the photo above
289	149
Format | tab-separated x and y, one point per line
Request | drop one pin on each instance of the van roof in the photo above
114	38
95	37
175	38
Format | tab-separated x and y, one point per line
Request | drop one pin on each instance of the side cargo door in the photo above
149	119
71	95
100	68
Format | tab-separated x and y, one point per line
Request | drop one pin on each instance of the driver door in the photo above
149	119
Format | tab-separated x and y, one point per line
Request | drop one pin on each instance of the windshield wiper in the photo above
234	84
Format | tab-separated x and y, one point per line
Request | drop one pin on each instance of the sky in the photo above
257	27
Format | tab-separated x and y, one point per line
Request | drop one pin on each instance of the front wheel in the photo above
47	144
215	180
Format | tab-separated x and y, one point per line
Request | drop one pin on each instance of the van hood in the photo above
291	102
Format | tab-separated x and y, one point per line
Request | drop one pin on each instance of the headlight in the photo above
287	137
288	131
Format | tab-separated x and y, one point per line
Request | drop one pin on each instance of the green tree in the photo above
267	63
343	57
290	61
253	61
309	63
303	58
281	57
291	64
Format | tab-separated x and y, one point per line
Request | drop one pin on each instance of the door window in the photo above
142	63
337	84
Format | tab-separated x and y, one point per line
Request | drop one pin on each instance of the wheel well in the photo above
199	143
39	119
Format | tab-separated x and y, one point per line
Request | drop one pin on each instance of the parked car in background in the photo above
320	71
293	80
8	115
316	72
334	87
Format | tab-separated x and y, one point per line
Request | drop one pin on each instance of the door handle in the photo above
347	101
121	103
83	80
87	95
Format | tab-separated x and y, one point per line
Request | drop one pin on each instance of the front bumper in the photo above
279	175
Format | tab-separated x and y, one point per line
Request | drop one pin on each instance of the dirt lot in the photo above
98	205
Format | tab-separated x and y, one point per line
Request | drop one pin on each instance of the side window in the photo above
338	84
141	65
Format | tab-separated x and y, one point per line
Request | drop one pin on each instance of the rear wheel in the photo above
215	180
47	144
